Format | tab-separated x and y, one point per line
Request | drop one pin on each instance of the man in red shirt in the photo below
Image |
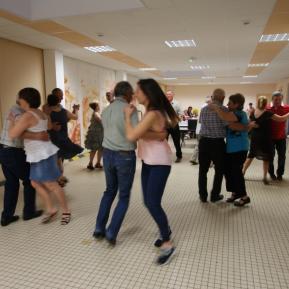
278	132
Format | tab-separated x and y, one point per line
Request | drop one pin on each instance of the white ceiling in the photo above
223	42
47	9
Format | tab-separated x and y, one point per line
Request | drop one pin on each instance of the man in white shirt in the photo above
175	132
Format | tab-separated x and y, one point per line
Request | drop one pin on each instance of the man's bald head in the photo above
219	95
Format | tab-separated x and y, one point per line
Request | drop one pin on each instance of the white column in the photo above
53	70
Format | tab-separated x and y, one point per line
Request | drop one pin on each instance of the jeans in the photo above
235	181
280	146
119	168
211	150
176	136
15	168
154	179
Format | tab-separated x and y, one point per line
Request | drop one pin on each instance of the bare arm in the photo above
42	136
134	133
17	128
280	118
72	115
237	126
97	117
226	116
153	135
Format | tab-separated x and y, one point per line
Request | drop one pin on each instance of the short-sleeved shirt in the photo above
211	125
5	139
176	106
278	129
113	122
238	141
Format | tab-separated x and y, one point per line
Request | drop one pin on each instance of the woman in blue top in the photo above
237	146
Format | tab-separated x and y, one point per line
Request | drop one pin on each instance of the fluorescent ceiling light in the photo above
180	43
200	67
208	77
258	64
245	82
170	78
250	76
99	49
147	69
274	37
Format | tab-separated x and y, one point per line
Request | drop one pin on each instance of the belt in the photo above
122	152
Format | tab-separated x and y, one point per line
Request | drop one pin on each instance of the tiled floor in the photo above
218	245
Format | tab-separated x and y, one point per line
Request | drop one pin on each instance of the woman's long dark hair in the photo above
158	100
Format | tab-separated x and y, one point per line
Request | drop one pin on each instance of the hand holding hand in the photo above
128	110
252	125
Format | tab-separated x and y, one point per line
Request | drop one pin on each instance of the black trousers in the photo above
280	147
235	181
15	168
176	136
211	150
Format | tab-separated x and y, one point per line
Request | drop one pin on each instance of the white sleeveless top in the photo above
37	150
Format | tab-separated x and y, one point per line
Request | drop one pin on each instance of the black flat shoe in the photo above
8	221
217	198
233	198
111	242
98	235
33	216
242	202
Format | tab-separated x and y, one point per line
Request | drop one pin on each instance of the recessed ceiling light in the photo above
180	43
99	49
245	82
169	78
200	67
147	69
274	37
208	77
258	64
250	76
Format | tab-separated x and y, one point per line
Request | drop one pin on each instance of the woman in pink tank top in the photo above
155	155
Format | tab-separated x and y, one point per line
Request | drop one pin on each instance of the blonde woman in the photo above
261	146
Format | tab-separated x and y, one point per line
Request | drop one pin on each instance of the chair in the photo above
192	126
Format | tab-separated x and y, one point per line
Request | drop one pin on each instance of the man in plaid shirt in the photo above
212	147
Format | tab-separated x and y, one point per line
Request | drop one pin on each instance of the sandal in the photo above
61	183
232	198
66	218
98	166
242	202
90	167
64	179
49	218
